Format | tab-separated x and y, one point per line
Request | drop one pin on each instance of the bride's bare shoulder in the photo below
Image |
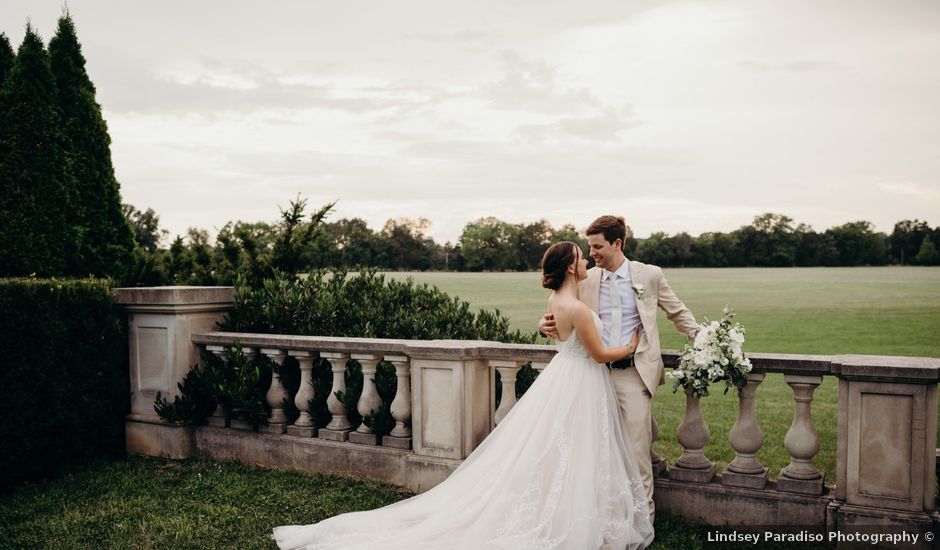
562	305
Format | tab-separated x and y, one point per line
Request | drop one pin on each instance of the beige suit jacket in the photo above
656	292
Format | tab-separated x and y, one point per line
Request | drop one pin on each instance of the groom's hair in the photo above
612	227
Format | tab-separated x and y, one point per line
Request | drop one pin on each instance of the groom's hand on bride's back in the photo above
547	326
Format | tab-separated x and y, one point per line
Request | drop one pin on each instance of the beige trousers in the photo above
636	416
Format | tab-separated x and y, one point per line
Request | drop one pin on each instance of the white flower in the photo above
716	353
639	288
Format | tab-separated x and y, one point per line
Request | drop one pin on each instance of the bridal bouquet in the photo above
714	355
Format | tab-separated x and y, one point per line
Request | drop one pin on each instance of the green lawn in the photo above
870	310
145	503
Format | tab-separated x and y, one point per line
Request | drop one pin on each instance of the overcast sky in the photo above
680	116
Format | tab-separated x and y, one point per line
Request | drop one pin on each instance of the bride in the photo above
555	473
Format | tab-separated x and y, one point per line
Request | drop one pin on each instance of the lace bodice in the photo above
573	344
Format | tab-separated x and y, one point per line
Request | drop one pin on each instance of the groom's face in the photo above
603	252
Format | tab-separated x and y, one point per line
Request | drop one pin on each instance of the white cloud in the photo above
687	115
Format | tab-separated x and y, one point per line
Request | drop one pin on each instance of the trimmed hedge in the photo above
63	376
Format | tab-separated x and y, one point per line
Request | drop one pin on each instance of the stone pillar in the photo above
304	426
693	435
339	427
507	375
659	465
746	439
369	400
400	438
161	322
277	393
451	407
802	441
886	454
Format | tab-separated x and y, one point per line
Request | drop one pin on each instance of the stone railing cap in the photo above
173	295
884	367
296	342
862	367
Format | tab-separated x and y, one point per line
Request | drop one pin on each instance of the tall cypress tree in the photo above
35	233
107	240
6	63
6	57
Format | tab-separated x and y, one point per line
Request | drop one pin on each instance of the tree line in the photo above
296	244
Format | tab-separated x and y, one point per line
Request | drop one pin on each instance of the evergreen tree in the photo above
107	239
35	188
928	254
6	63
6	57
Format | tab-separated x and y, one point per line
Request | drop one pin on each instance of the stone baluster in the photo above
400	438
746	439
659	465
250	355
507	373
539	366
304	426
277	393
339	427
217	418
802	441
369	400
693	435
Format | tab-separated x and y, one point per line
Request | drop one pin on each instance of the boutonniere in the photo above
639	289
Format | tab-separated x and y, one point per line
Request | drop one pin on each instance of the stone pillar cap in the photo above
173	295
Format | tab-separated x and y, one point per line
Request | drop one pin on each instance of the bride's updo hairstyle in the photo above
555	263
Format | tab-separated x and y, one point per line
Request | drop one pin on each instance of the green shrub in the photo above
361	305
194	404
238	384
367	305
63	374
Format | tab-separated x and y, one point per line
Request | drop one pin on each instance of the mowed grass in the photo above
151	503
829	311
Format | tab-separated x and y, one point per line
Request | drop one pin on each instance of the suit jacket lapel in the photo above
591	289
634	280
635	272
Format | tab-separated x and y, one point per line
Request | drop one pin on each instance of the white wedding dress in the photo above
555	473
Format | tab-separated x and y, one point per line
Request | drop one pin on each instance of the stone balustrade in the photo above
445	405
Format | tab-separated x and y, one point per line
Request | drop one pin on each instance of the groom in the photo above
625	295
